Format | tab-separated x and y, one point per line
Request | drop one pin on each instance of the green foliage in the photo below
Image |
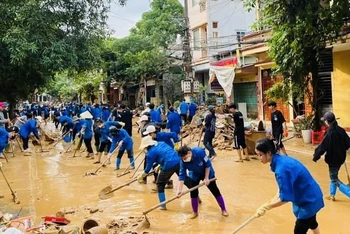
162	23
172	86
71	86
40	38
300	31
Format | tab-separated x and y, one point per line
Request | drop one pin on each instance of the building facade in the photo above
216	26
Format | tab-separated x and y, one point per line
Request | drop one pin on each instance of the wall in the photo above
341	87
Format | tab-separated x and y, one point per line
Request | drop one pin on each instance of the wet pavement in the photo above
51	181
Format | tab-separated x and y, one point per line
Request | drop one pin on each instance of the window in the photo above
195	3
215	24
196	39
240	34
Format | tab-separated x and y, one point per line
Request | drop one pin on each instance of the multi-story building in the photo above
216	26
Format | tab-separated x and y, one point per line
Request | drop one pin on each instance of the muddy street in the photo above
54	181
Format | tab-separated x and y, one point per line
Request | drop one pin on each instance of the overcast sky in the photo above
122	19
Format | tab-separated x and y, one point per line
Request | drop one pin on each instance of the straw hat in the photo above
86	115
147	141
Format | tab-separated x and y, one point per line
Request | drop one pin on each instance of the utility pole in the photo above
187	58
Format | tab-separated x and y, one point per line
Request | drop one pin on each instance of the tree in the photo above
40	38
300	31
162	23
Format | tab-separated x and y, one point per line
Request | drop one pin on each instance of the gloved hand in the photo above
122	124
177	146
141	177
157	169
262	210
120	143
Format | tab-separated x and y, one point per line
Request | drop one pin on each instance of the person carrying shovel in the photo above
195	161
103	128
295	184
29	127
168	160
121	138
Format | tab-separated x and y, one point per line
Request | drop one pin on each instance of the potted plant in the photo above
305	124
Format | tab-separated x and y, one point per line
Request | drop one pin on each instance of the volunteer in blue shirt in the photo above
183	110
162	154
168	138
104	139
155	115
199	167
121	138
5	136
29	127
295	184
192	109
174	121
86	131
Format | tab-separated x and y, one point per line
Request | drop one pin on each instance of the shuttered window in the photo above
324	72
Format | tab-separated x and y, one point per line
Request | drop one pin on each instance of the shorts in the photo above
103	146
278	138
303	225
239	140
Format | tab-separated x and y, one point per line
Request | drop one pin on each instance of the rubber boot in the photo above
194	203
117	163
344	189
131	159
221	203
332	191
161	197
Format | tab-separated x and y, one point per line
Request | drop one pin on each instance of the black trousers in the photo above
103	145
303	225
164	177
212	187
87	143
25	142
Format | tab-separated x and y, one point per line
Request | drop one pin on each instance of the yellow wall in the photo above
341	87
243	78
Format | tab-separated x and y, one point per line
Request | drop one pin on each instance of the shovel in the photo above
61	138
243	224
14	197
126	171
41	147
13	149
19	144
138	167
79	145
107	192
102	165
147	224
5	157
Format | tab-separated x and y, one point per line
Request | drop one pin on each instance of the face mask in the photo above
188	159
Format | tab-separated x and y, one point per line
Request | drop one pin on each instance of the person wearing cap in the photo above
295	185
121	138
334	145
144	122
168	138
197	165
279	126
209	131
174	121
103	128
238	134
29	127
3	120
167	158
77	126
5	136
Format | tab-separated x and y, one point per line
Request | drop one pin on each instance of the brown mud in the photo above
54	181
